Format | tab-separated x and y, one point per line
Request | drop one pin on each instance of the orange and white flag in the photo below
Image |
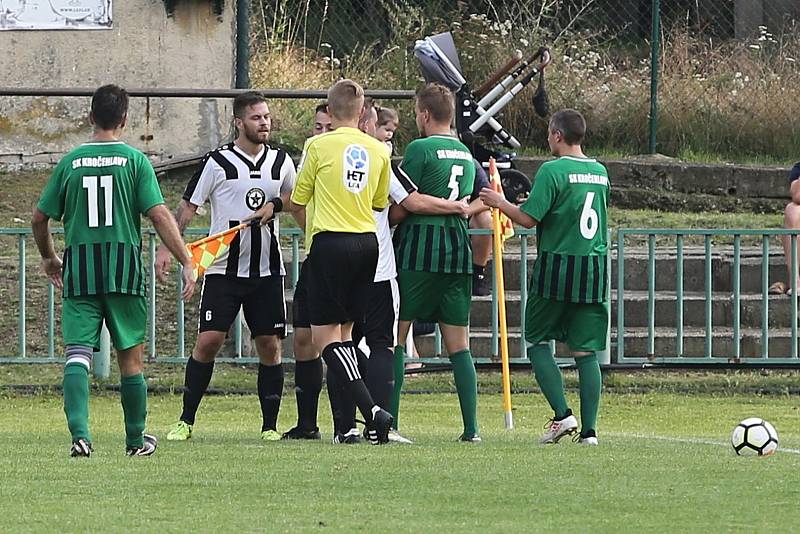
208	249
506	226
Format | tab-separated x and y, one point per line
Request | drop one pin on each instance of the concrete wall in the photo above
195	48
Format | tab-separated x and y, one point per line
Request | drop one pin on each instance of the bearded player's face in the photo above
256	123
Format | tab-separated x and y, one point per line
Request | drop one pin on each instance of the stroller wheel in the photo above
516	185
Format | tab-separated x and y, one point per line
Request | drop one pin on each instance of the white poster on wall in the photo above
55	14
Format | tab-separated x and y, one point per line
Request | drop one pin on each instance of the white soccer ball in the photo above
754	436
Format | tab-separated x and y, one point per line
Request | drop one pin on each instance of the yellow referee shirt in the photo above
346	174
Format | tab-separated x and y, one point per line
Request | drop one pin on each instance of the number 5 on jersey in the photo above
92	184
455	173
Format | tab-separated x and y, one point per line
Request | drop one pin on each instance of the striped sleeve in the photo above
203	182
400	185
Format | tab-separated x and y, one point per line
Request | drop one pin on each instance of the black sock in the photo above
307	386
343	409
380	376
479	270
195	382
270	389
342	360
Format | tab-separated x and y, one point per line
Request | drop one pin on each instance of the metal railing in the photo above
718	294
291	240
714	335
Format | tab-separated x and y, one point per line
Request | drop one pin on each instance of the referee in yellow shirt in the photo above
346	174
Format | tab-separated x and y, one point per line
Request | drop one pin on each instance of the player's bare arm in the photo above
493	199
170	235
183	216
51	263
794	190
423	204
475	207
270	208
396	214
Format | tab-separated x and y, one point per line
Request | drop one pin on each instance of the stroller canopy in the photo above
438	60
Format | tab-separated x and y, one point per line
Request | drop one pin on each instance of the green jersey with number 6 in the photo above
440	166
100	190
569	199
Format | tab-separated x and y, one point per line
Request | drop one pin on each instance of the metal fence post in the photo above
654	66
152	296
101	361
620	295
604	356
51	321
22	283
180	317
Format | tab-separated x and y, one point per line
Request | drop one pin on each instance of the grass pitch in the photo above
663	464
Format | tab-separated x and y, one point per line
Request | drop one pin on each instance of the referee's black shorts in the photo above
383	305
300	315
341	269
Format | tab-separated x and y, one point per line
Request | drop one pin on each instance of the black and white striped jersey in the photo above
235	185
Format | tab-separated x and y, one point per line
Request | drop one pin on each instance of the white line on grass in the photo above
698	441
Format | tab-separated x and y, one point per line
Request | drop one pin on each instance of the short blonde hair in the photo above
345	100
438	100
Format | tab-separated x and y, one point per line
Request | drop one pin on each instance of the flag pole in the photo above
501	305
207	239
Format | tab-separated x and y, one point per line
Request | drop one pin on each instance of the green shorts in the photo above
125	317
583	327
435	297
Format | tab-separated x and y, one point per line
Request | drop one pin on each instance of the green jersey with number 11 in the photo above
569	199
440	166
100	190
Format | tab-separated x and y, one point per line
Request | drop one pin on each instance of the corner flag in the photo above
502	230
506	226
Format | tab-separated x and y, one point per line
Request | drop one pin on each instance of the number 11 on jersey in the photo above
106	183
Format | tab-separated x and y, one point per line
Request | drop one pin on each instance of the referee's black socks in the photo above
307	386
342	359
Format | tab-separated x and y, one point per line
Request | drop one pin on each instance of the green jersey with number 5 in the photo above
100	190
440	166
569	199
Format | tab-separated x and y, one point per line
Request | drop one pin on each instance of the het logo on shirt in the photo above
355	169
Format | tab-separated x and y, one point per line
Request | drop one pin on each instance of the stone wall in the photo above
193	48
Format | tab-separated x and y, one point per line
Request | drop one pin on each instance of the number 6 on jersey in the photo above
588	217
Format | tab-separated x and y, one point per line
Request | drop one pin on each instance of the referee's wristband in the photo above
278	203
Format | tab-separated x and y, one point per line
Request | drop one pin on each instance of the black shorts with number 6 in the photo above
261	299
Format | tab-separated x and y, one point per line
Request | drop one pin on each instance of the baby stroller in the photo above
476	119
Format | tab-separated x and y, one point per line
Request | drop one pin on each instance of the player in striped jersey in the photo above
434	256
100	190
243	180
569	285
308	365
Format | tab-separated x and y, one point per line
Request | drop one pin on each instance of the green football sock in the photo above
399	376
76	400
467	388
591	382
549	378
133	390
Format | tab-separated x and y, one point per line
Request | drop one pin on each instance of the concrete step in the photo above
636	309
636	343
694	271
694	309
